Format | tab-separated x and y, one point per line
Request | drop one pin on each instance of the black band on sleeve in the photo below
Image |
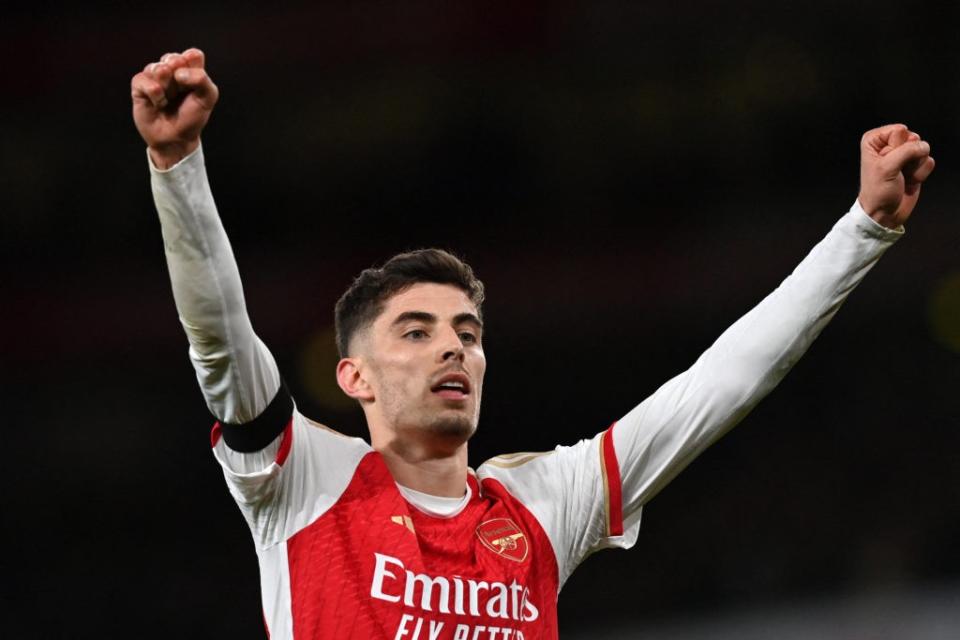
261	431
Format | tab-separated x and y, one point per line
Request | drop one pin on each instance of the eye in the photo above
468	338
416	334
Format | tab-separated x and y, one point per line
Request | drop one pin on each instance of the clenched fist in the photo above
172	101
894	162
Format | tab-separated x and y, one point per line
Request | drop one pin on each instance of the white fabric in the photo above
275	591
437	506
235	369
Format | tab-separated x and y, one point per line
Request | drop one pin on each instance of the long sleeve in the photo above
590	495
658	438
236	371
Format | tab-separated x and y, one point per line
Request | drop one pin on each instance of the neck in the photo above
436	473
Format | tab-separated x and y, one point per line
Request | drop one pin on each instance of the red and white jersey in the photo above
344	555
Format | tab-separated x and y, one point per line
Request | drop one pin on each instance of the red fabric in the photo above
351	569
215	434
285	444
613	483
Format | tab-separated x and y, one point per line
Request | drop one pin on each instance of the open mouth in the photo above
452	386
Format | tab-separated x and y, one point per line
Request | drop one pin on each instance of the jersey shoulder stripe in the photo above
612	489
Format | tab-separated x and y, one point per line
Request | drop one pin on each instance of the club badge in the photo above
504	538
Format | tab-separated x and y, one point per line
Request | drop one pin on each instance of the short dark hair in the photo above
360	305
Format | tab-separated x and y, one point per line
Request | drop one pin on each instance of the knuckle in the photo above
195	57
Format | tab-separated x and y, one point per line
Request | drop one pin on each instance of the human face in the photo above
425	364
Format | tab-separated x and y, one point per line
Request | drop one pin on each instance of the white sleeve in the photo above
589	496
661	436
285	486
281	468
236	371
573	492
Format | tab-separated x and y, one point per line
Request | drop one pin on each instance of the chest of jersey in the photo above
375	567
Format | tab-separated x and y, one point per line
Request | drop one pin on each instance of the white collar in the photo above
437	506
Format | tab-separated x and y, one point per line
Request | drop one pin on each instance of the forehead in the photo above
442	300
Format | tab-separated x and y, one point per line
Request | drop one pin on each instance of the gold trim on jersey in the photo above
404	521
606	487
314	423
517	454
510	460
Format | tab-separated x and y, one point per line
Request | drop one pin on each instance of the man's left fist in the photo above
894	162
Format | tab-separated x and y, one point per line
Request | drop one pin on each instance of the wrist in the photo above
166	156
888	221
880	216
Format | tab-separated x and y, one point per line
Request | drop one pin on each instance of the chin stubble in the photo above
459	427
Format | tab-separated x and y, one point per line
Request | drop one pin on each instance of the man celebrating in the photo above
399	538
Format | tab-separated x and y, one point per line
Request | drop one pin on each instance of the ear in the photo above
352	381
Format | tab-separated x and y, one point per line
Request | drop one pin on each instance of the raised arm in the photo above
172	102
658	438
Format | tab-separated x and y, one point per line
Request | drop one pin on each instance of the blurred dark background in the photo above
627	178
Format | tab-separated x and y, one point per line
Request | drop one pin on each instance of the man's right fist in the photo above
172	101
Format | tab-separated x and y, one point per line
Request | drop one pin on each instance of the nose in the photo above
451	348
453	354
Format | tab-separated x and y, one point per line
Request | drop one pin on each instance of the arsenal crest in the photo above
504	538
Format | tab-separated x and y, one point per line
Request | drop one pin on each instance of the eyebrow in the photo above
408	316
468	318
423	316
